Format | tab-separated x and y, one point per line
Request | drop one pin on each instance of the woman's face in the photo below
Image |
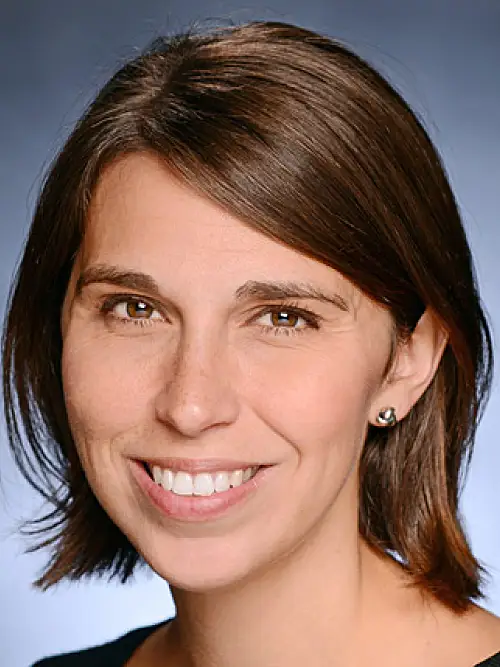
197	345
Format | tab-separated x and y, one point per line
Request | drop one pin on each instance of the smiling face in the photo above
195	343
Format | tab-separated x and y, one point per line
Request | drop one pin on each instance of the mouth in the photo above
198	496
206	483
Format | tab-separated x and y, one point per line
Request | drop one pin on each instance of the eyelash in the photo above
312	321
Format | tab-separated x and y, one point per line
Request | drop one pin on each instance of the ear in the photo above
415	363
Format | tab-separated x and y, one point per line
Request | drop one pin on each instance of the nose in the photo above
198	393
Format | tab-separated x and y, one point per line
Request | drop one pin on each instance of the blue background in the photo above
444	55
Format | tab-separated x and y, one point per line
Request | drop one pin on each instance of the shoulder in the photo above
494	661
474	639
489	629
110	654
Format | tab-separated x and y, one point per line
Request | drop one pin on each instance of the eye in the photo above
287	320
128	309
136	309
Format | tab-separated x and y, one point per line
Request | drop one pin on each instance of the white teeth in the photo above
236	478
222	481
157	474
183	484
167	480
204	484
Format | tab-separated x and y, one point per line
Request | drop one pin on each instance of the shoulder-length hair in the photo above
305	142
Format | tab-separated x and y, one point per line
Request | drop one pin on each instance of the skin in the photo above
199	373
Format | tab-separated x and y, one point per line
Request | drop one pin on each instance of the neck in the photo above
308	608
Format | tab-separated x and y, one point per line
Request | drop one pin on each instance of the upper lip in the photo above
195	466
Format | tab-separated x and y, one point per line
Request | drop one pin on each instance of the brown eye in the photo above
139	309
134	310
283	318
287	320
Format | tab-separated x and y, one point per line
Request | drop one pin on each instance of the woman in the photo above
245	347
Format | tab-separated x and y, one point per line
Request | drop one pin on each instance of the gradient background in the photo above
444	55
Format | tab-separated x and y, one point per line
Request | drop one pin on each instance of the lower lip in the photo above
196	508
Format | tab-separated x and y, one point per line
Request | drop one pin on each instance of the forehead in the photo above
143	218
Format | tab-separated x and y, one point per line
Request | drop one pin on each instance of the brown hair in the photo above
301	139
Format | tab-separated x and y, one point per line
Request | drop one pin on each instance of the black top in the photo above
117	652
112	654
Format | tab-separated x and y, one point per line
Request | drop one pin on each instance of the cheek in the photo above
108	384
317	396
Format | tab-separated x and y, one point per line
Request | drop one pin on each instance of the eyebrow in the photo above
268	291
252	289
103	273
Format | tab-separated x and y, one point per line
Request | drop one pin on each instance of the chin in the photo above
203	568
204	578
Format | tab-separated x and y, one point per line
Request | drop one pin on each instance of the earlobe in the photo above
415	363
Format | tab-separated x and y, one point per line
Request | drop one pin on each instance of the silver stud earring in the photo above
386	417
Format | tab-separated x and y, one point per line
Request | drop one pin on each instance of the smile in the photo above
182	483
198	496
